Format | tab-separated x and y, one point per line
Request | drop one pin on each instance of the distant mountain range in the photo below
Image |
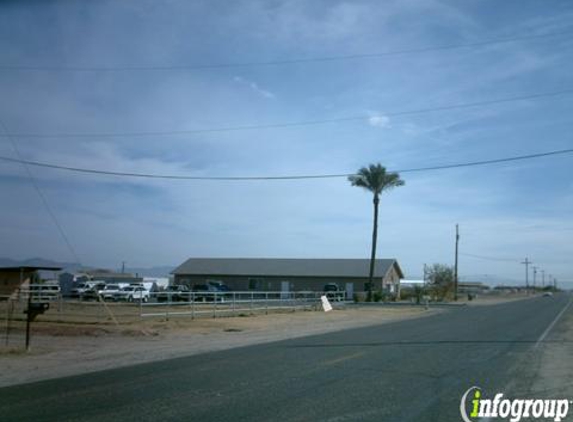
159	271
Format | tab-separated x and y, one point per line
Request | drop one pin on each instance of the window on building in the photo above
255	283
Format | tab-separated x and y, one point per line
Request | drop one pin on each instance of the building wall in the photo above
10	281
391	280
66	283
265	283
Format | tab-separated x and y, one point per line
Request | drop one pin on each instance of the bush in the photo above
407	294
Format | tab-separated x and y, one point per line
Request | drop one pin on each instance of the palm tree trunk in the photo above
376	201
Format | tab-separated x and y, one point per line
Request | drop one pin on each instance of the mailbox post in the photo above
34	309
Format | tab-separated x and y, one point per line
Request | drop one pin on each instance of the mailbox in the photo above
35	309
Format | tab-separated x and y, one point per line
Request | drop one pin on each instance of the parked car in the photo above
94	291
133	293
207	293
79	290
110	291
174	293
333	292
219	286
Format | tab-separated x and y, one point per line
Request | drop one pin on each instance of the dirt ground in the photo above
61	348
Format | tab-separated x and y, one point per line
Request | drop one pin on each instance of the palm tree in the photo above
375	179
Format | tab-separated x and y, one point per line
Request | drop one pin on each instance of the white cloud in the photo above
255	87
380	121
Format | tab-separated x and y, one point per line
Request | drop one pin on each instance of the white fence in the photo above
94	309
192	304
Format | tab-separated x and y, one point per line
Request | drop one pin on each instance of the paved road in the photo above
413	370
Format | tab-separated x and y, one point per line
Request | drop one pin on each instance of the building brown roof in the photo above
285	267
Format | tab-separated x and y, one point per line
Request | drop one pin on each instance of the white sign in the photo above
326	304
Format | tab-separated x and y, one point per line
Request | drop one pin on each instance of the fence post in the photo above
100	311
266	303
192	305
234	299
215	305
251	306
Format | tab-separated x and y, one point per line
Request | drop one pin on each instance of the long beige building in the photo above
268	274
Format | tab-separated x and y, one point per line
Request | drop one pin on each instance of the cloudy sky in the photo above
146	86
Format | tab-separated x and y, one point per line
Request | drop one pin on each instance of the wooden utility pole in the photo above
526	263
456	263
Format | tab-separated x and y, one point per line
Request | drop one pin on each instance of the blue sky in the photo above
505	211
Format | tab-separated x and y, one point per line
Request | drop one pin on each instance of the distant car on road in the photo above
133	293
547	294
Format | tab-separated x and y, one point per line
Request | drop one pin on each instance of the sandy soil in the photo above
60	349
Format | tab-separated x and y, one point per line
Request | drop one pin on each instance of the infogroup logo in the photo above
512	409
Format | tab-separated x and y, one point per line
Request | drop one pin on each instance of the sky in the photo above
148	87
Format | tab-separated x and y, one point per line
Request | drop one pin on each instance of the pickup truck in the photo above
174	293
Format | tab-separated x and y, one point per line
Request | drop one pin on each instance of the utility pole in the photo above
122	267
456	263
526	263
543	278
534	277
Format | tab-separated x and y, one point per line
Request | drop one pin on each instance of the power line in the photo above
493	161
283	61
291	177
293	124
42	197
490	258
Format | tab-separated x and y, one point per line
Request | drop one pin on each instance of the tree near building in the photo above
376	180
441	278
